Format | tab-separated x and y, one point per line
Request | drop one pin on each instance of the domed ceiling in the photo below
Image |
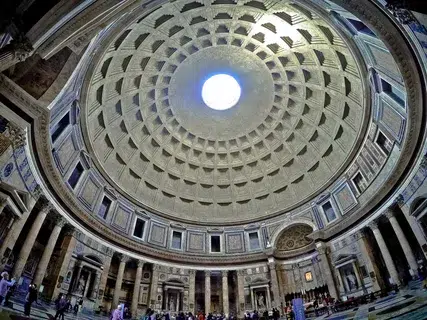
296	127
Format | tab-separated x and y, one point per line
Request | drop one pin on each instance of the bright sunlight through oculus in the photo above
221	92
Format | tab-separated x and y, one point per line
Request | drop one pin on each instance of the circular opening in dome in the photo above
221	92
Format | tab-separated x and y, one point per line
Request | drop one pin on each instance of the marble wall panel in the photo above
158	234
234	242
196	241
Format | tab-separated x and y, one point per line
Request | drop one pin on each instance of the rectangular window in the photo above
361	27
329	211
176	240
75	175
60	127
359	182
383	142
104	208
215	244
393	93
138	231
254	241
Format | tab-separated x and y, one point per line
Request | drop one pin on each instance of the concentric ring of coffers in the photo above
308	126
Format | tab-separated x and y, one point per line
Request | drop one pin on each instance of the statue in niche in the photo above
81	285
261	303
351	280
172	305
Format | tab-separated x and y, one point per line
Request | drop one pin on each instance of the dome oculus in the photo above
221	92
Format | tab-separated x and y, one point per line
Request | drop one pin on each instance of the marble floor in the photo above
408	304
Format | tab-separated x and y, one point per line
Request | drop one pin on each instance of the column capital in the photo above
69	231
359	234
59	221
123	258
46	206
373	225
156	267
322	248
16	135
3	201
37	192
400	200
389	213
21	46
241	272
140	263
224	273
207	273
192	272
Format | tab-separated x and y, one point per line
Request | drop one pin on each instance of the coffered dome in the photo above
296	127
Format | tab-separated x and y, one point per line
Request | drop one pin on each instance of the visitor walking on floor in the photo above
4	285
30	298
61	307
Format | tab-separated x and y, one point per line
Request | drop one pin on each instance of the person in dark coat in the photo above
60	308
30	298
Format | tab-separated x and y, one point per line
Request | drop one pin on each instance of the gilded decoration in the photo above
294	237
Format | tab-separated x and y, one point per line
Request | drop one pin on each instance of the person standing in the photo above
80	304
30	298
60	308
117	313
4	285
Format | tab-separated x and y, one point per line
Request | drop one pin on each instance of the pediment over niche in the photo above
293	238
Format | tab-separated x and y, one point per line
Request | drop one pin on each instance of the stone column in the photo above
207	291
47	253
192	291
241	293
16	228
135	295
326	269
385	253
29	241
154	284
94	293
88	280
225	304
67	248
274	283
103	280
254	307
412	262
118	287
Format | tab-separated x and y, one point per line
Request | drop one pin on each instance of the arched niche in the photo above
294	240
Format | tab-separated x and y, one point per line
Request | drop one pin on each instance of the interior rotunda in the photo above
215	156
